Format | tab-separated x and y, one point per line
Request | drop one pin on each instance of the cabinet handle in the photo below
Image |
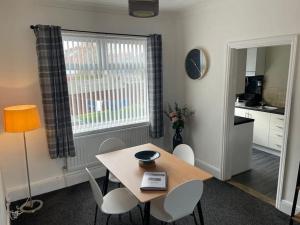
280	127
278	135
280	119
279	146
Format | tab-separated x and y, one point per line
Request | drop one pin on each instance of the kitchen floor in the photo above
261	180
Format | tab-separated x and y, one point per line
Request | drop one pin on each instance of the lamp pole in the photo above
28	175
30	206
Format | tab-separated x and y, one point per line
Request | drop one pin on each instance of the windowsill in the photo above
110	129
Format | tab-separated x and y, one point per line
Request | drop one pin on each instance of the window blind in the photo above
107	80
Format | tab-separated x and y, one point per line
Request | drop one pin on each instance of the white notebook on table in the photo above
154	181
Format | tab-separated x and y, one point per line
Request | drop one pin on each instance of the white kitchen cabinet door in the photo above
240	112
261	127
277	126
277	122
251	59
256	60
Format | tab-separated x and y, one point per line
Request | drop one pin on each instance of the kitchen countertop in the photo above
279	111
241	120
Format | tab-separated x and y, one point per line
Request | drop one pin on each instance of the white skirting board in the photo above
76	177
286	207
267	150
54	183
208	167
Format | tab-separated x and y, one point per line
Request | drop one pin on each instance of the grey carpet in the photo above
222	204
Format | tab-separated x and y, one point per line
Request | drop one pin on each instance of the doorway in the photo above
260	151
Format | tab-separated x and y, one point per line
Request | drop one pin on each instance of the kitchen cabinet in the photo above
256	60
241	71
241	147
249	62
268	128
241	112
261	127
276	133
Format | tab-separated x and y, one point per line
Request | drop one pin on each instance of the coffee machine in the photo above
253	90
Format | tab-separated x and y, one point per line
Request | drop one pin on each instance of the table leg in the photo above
96	214
200	213
105	183
147	213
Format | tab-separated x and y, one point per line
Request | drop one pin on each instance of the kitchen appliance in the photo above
256	60
253	90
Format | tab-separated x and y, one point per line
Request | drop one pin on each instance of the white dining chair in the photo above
179	203
110	145
115	202
185	152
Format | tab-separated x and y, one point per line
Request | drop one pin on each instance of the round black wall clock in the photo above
196	64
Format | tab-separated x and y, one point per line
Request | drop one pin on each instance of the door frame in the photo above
229	97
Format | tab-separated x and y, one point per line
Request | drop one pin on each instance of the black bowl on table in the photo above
147	157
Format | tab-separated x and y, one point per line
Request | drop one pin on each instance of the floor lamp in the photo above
21	119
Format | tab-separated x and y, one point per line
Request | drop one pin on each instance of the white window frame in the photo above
116	124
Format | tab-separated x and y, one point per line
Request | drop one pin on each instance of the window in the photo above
107	81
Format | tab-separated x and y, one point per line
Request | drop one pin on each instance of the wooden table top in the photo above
126	168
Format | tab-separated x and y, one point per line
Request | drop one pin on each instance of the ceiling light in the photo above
143	8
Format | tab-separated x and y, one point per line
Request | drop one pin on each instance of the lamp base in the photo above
31	207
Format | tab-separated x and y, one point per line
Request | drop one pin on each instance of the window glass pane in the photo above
107	81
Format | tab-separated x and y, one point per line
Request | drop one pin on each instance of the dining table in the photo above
127	169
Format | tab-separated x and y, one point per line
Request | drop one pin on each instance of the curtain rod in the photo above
95	32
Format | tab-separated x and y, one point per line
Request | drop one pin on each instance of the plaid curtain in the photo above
155	86
53	81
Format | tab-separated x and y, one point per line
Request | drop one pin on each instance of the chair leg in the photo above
130	217
141	212
147	208
105	183
195	219
200	213
107	220
96	214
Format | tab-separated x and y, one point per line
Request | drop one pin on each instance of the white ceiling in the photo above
165	5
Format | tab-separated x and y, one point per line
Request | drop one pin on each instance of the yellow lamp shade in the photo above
21	118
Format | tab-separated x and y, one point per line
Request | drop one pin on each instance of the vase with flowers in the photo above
178	116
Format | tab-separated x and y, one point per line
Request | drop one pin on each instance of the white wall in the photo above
19	83
211	25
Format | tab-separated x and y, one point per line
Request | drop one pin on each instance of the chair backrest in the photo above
95	188
182	200
185	153
111	144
